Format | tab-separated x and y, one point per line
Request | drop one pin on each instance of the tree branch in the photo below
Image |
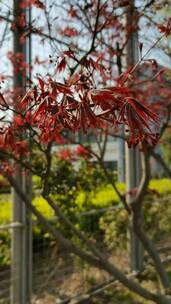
57	234
100	263
161	161
137	221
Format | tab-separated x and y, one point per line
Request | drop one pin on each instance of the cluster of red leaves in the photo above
6	167
69	31
82	152
154	85
27	3
62	60
165	29
67	154
21	25
72	12
55	108
21	22
52	107
137	115
18	62
10	144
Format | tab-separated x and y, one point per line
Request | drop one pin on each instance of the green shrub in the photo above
5	241
162	186
109	224
36	182
5	208
114	225
157	216
43	207
106	196
5	217
4	185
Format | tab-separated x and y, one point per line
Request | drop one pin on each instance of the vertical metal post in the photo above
28	183
121	142
121	158
21	237
27	244
132	156
16	248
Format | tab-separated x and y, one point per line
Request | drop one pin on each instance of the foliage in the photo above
5	208
106	196
162	186
108	224
82	91
43	206
114	223
4	185
5	242
5	216
165	147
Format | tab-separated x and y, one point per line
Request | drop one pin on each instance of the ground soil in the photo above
59	276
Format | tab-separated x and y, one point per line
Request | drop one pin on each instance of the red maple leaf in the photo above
136	115
62	65
27	3
18	121
165	29
82	152
69	31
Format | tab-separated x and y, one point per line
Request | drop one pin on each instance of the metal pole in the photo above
132	156
121	158
121	142
21	236
28	184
